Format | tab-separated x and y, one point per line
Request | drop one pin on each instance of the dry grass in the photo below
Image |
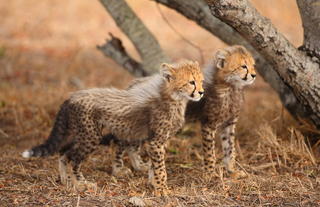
42	60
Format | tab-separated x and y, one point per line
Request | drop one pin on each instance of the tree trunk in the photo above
310	15
295	68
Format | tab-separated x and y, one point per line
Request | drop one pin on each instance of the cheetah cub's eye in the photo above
244	66
192	83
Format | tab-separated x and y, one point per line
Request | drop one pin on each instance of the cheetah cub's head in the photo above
235	66
183	80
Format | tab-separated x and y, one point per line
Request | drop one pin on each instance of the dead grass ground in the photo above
46	55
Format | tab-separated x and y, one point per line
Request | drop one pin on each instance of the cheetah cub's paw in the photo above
143	166
65	180
137	163
209	177
121	172
161	192
238	174
84	185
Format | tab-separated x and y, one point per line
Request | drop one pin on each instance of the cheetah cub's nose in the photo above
201	93
253	75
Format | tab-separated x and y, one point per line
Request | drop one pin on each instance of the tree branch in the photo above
114	49
310	11
294	67
199	12
145	43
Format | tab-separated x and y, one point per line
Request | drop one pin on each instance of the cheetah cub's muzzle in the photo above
197	93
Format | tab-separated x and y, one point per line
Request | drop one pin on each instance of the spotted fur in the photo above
154	110
231	70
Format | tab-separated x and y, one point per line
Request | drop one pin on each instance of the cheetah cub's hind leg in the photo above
118	168
229	153
75	156
63	170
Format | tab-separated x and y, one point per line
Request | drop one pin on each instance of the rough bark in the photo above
145	43
310	15
199	12
114	49
294	67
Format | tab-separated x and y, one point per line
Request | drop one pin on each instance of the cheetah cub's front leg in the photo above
229	153
157	171
208	145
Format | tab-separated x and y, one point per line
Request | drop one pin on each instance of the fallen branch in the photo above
114	49
146	44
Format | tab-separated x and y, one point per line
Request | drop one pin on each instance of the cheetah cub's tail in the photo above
56	139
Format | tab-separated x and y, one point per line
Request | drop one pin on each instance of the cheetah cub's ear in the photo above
166	71
220	58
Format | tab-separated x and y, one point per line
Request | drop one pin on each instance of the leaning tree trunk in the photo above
298	70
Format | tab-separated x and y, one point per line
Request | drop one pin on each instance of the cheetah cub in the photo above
232	69
153	110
